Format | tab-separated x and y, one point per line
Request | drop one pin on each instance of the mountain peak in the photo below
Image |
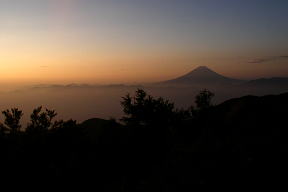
202	71
202	68
202	75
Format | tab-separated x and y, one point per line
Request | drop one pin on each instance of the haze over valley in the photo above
85	101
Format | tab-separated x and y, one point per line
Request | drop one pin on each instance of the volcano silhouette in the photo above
203	75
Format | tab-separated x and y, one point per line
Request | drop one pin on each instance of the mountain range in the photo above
201	76
204	77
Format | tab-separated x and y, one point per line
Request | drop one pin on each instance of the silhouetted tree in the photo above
12	121
144	110
204	99
43	121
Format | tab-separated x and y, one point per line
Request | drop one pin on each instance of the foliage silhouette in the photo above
42	121
240	142
12	121
145	110
204	99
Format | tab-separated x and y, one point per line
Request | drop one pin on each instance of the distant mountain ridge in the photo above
274	81
201	76
206	78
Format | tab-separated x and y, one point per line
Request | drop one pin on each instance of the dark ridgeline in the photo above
239	143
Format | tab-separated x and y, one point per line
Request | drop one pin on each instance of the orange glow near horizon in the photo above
103	42
52	67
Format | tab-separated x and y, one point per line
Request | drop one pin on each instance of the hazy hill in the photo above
274	82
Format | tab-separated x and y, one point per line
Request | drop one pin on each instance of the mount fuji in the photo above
203	76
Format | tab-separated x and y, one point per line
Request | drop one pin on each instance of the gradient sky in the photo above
111	41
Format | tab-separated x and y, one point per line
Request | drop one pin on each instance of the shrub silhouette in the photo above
12	121
145	110
204	99
41	122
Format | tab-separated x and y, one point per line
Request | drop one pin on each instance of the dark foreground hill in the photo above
239	143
